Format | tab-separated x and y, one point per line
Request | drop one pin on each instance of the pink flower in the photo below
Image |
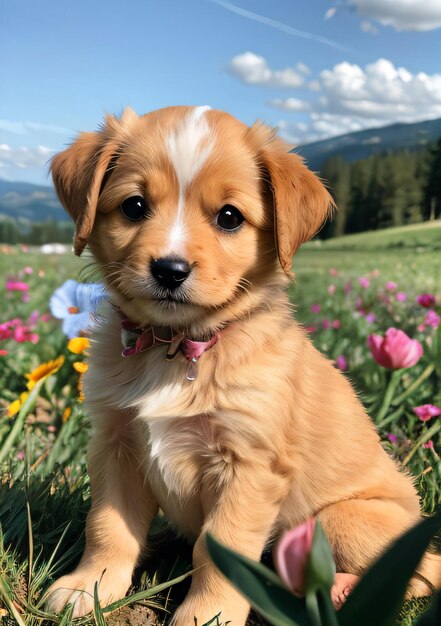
33	318
428	444
370	318
25	297
331	289
326	324
432	319
310	329
4	353
363	282
421	328
390	285
28	270
20	455
395	350
23	333
426	300
16	285
5	330
333	272
400	296
336	324
341	362
425	412
291	555
315	308
392	438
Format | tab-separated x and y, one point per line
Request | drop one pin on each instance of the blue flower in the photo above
75	303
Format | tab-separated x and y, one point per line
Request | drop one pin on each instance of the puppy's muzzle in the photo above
170	272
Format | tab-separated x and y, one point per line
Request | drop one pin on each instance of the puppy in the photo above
207	399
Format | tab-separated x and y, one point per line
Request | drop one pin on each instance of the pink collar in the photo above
136	339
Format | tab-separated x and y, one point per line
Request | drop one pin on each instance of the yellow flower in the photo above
78	345
67	413
80	367
13	408
43	371
81	396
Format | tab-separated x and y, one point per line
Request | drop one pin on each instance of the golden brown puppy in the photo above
194	218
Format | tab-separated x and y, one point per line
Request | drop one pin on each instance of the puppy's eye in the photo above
229	218
134	208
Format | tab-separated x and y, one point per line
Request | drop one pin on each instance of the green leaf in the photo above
97	612
378	597
261	587
320	570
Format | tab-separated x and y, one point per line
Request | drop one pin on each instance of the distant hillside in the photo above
362	144
26	201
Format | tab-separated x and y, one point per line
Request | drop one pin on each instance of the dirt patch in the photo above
137	615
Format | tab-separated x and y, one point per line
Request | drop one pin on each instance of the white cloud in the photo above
24	157
368	27
290	104
355	98
253	69
419	15
304	69
24	128
381	91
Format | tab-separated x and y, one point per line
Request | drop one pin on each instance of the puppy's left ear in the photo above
301	203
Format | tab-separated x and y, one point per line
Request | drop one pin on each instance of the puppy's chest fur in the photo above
183	451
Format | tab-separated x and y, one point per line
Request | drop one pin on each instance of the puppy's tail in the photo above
427	578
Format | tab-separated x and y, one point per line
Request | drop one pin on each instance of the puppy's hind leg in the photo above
123	507
360	530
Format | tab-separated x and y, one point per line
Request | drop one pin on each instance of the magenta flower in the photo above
392	438
426	300
364	282
395	350
5	330
428	444
390	285
16	285
311	329
315	308
400	296
336	324
370	318
341	362
326	324
24	333
432	319
425	412
291	556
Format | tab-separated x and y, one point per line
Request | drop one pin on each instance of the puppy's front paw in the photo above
77	589
193	612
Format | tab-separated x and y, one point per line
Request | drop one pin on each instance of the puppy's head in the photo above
189	212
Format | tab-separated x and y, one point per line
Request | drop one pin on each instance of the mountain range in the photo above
36	203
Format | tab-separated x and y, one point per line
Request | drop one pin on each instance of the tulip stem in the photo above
421	378
326	608
388	396
421	440
312	606
391	418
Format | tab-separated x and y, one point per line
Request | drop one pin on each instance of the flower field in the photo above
376	314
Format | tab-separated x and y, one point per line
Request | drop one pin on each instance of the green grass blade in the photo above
378	597
261	587
97	612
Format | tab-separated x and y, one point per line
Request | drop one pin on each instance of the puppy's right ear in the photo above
78	174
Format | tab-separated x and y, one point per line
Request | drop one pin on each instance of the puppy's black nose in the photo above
170	272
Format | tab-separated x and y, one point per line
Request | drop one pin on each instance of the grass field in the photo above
345	290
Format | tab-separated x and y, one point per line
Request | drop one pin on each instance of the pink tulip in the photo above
426	300
425	412
291	555
432	319
16	285
395	350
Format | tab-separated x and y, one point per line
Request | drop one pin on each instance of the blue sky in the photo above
315	68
